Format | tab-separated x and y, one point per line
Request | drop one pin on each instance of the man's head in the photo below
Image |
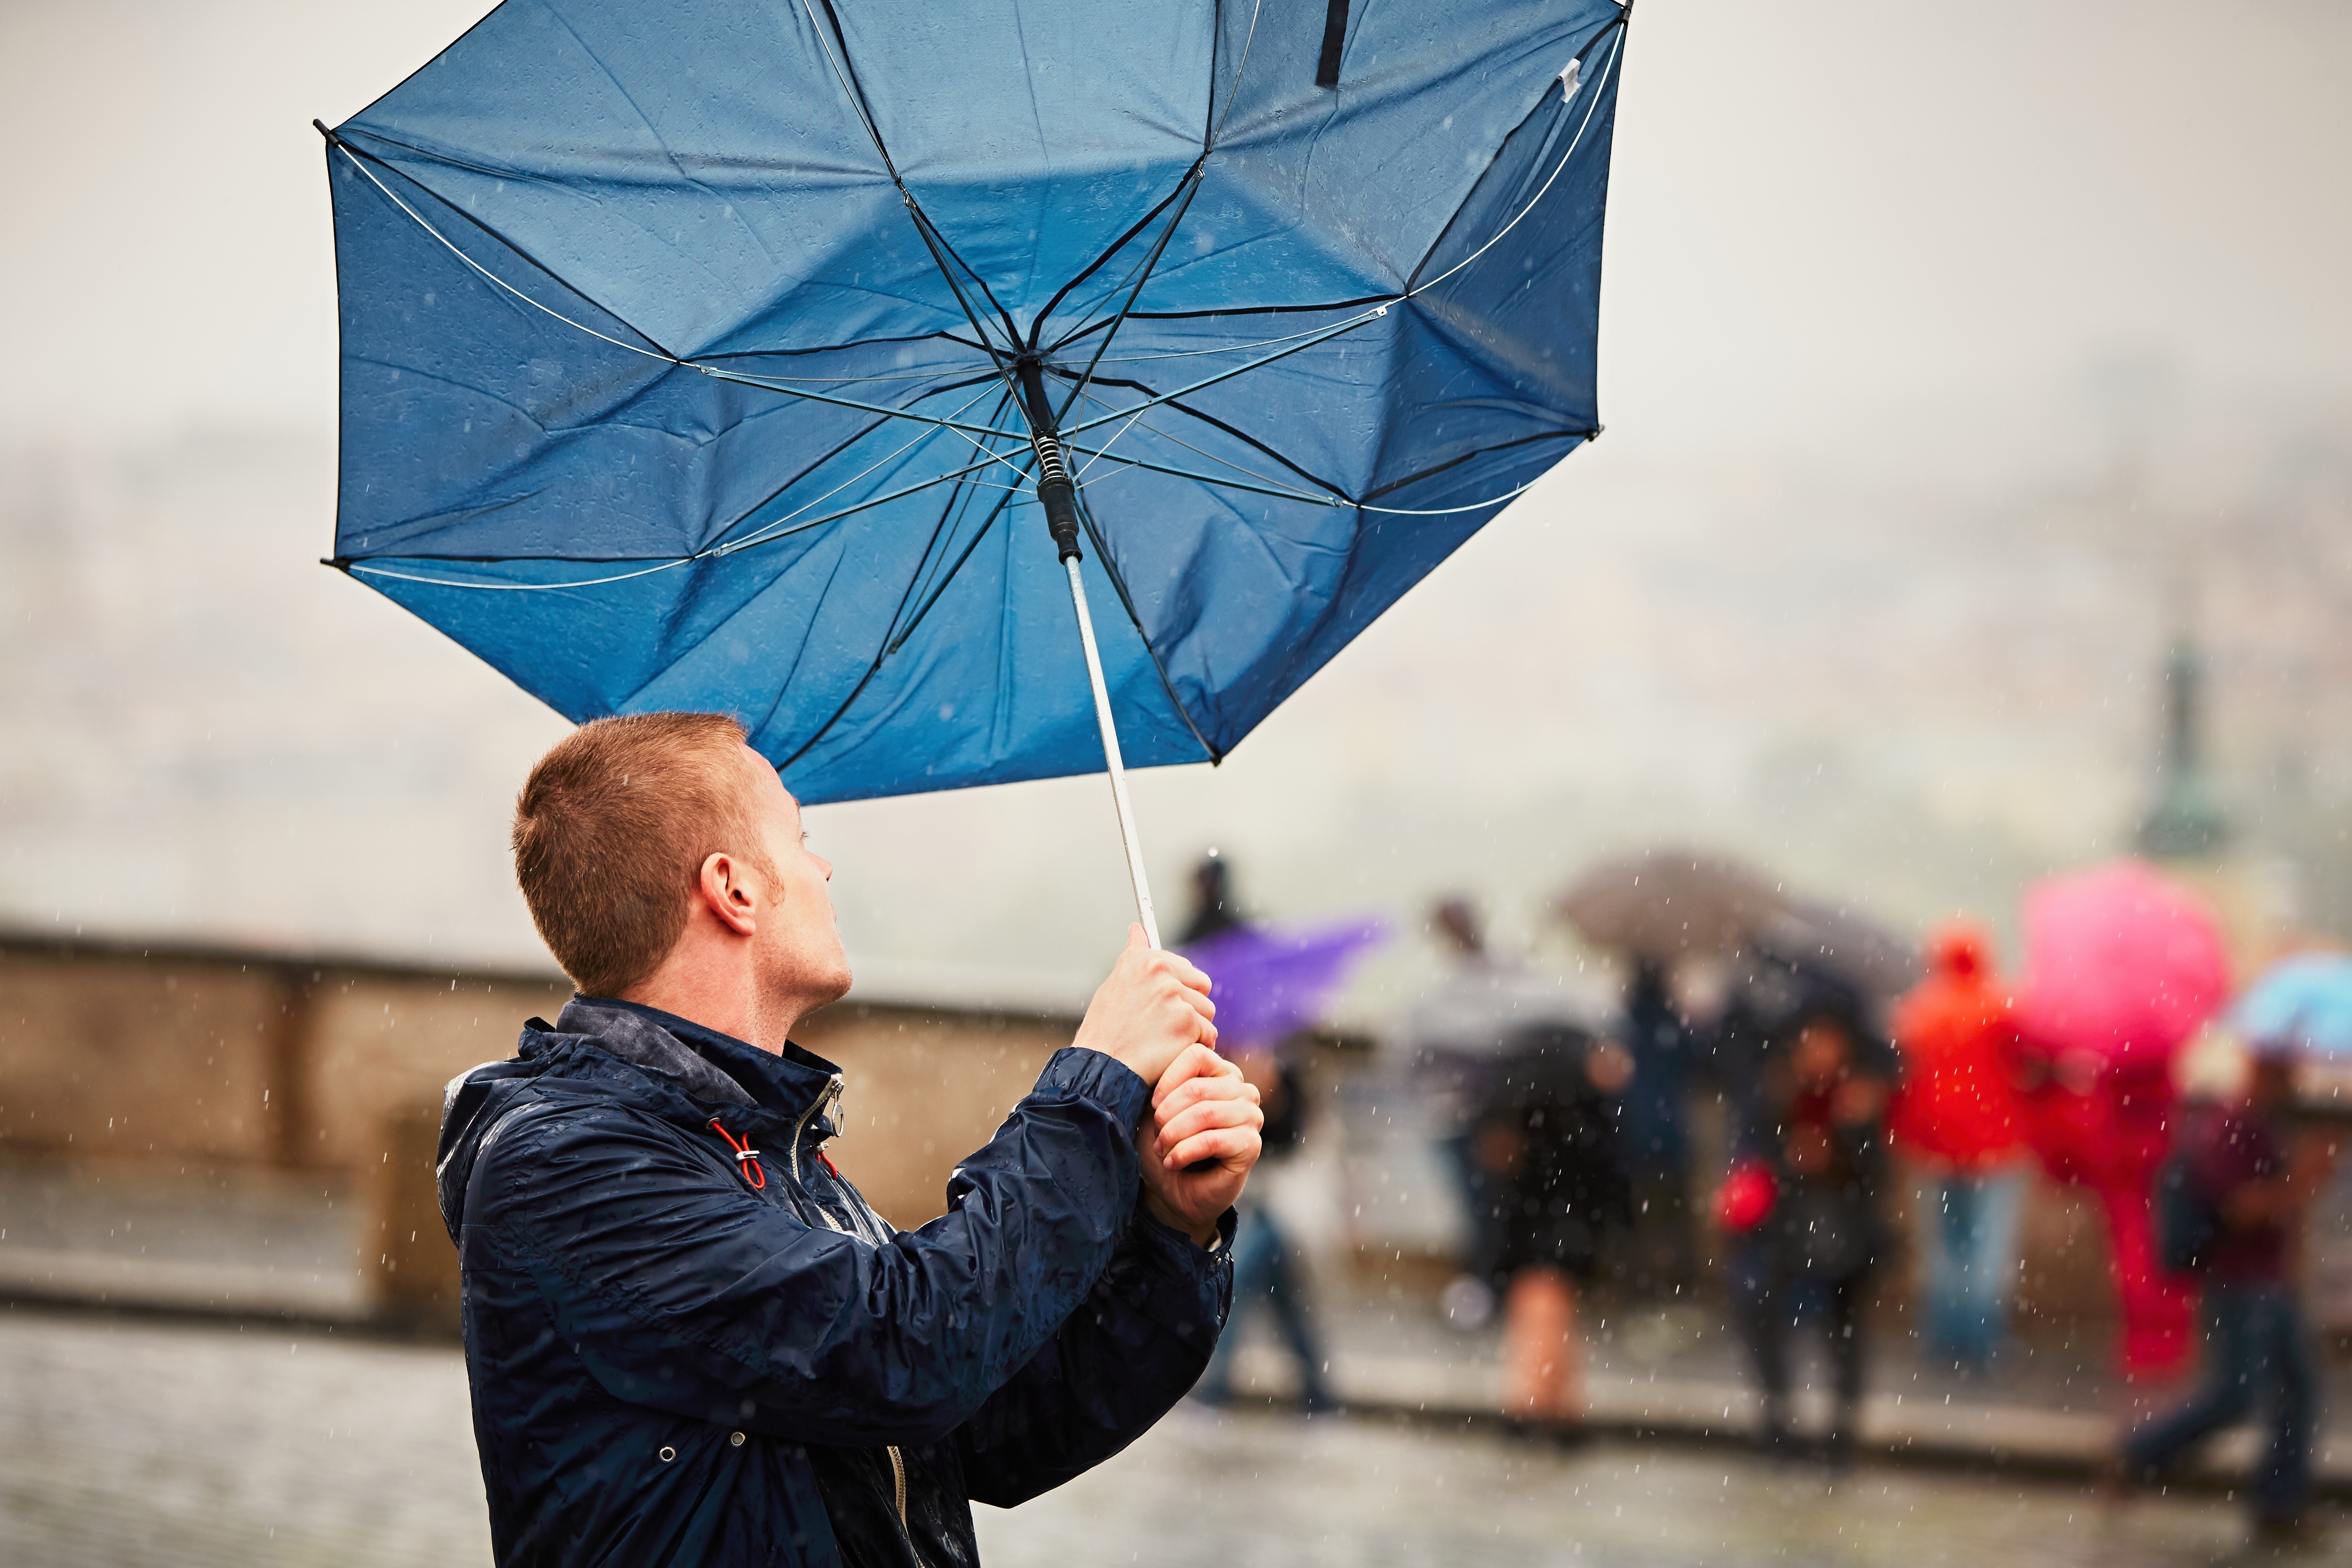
2271	1074
657	848
1457	919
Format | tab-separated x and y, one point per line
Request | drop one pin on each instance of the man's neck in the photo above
729	1002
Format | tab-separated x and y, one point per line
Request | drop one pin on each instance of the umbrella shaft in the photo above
1127	835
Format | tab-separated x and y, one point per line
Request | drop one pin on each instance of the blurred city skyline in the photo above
1950	371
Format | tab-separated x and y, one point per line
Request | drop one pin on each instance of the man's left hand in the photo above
1202	1114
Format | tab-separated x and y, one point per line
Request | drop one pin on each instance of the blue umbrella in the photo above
2306	1000
728	354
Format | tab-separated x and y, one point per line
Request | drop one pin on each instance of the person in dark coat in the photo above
1546	1142
1813	1145
688	1339
1662	1251
2255	1176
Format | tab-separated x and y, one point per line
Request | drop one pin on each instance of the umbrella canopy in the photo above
2306	1000
2121	965
1667	902
1272	984
712	359
1843	943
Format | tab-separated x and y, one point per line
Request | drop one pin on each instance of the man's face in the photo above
799	937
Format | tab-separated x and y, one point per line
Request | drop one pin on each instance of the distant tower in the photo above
2186	822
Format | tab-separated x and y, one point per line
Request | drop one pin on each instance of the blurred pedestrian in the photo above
1553	1184
1215	910
1661	1250
2231	1207
1803	1201
1269	1269
1954	1112
1452	1043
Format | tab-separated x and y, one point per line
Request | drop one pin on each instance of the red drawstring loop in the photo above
747	1159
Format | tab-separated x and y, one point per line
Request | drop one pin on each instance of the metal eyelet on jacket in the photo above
667	1454
735	1438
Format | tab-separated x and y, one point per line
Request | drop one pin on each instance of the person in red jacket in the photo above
1955	1113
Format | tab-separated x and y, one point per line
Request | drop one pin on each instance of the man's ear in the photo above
727	895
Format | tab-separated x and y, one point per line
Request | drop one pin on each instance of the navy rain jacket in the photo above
672	1363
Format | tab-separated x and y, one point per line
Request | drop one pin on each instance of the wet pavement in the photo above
125	1441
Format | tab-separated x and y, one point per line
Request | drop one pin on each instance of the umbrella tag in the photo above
1568	81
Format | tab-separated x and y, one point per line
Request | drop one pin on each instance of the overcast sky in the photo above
1863	258
1826	222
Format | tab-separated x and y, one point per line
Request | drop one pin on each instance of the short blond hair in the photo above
611	831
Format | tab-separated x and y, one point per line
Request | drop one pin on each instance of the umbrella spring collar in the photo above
1056	494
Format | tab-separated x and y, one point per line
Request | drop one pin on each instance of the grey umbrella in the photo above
1667	902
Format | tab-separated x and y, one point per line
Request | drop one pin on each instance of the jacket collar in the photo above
711	1067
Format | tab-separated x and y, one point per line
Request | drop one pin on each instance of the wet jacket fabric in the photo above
682	1356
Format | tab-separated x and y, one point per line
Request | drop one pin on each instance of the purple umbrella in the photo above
1269	984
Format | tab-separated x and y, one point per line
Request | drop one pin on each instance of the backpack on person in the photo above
2187	1217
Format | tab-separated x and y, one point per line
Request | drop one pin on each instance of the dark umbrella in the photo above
731	354
1872	959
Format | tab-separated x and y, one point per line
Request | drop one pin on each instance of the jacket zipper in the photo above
825	1102
829	1102
898	1476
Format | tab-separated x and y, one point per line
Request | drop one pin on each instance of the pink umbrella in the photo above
2120	963
2122	966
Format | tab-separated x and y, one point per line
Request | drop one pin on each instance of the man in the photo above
689	1340
2258	1184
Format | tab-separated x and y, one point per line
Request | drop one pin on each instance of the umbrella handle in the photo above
1111	760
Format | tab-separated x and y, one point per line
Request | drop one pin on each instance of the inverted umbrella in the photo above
728	355
2306	1000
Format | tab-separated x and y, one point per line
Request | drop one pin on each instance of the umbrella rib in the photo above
355	564
1395	485
1126	602
1095	266
717	548
845	72
940	588
874	667
1234	431
1412	290
714	371
945	512
1151	263
1615	27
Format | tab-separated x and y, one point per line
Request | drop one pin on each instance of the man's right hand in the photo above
1153	1006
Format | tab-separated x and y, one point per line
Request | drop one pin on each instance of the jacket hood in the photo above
656	1062
1962	950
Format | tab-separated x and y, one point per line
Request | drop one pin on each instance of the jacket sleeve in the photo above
682	1291
1135	1347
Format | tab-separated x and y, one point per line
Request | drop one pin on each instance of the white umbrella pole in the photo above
1058	494
1127	835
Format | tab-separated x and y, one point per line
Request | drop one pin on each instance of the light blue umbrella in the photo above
2306	1000
818	362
